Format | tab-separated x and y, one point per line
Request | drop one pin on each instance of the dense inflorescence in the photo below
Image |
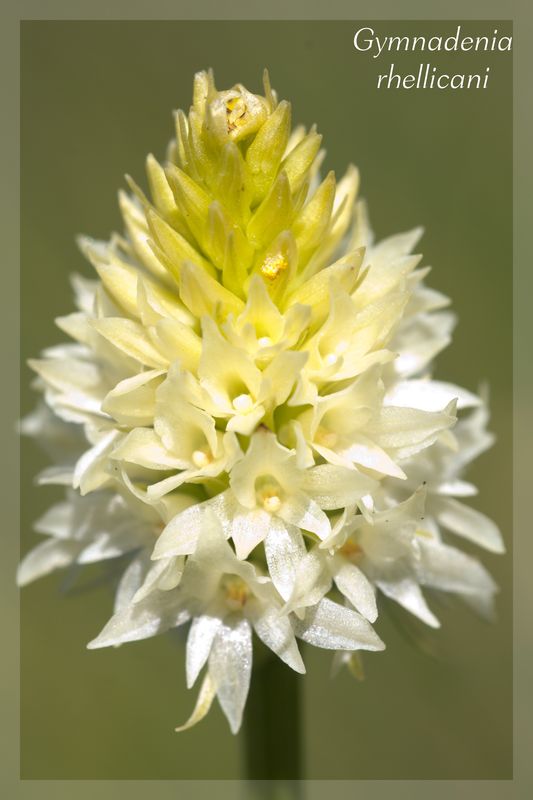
247	408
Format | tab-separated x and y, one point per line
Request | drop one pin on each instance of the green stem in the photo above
273	732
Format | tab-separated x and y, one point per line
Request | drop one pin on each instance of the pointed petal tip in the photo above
371	616
21	579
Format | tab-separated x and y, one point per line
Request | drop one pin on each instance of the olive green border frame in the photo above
521	13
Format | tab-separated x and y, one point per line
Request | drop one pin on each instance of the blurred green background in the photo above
96	97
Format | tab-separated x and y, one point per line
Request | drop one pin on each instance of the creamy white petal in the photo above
130	338
246	423
284	549
199	640
225	367
356	587
450	570
405	431
276	632
419	340
298	509
482	604
280	376
230	668
130	582
248	529
62	475
406	592
312	581
45	558
468	523
181	426
336	627
205	699
70	375
144	447
56	521
214	554
107	544
164	574
180	536
366	453
132	401
336	487
429	395
90	472
155	614
456	488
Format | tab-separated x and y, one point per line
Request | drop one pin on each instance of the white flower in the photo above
247	408
441	468
226	597
83	530
397	553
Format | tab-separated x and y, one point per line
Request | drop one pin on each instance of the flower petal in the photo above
276	632
451	570
132	401
468	523
429	395
405	431
56	521
199	641
336	487
144	447
300	510
203	704
180	536
366	453
248	529
311	582
284	549
45	558
131	580
155	614
90	471
356	587
130	338
164	574
335	627
406	592
230	667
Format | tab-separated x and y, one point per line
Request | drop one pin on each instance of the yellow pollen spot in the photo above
272	503
325	437
351	550
273	265
243	403
236	592
269	494
264	341
200	459
236	112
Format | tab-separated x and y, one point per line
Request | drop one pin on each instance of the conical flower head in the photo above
253	412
